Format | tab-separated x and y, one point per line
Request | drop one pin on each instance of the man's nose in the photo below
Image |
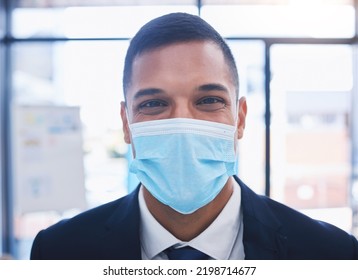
182	110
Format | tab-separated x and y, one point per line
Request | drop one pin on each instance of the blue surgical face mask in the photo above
184	163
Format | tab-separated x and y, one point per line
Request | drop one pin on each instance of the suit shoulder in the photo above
303	236
84	235
315	235
92	216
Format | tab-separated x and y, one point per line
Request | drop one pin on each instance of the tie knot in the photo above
185	253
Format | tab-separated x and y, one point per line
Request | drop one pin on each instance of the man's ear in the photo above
125	124
242	111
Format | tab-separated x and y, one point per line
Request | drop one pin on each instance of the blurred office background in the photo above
62	148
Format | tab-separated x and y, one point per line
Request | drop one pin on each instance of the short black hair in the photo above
175	28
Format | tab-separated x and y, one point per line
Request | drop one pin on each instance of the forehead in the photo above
188	62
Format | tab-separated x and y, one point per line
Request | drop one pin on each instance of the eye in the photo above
211	103
152	107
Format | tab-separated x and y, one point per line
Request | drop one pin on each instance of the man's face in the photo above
184	80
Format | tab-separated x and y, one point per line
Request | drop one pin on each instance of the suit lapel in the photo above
122	230
263	233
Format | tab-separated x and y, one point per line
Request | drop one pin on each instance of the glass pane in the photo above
354	133
249	57
73	22
311	96
275	2
84	74
67	3
298	19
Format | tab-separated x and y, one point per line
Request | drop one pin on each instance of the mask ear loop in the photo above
236	141
126	110
131	145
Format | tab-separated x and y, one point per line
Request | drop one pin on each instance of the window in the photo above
71	55
311	92
308	19
60	74
88	21
250	59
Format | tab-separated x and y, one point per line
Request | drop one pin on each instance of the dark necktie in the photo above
185	253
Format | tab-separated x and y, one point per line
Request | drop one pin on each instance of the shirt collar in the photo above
155	238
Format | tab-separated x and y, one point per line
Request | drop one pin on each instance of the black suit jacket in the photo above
271	231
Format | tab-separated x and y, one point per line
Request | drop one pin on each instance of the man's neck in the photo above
187	227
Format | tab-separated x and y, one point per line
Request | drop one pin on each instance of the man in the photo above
183	117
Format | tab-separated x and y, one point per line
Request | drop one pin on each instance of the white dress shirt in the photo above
222	240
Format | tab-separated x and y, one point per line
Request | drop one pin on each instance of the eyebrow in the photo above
147	91
213	87
205	87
